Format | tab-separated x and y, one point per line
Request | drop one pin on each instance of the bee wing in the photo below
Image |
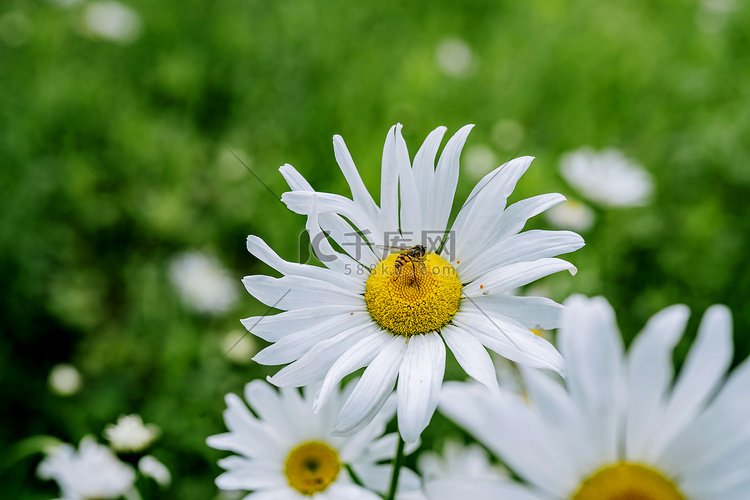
392	249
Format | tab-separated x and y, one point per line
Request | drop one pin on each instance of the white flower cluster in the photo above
402	286
94	472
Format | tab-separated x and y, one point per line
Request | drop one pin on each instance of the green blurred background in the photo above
114	161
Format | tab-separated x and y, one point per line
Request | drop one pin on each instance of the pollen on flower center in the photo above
311	467
626	481
409	297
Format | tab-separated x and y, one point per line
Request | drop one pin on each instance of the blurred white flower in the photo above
239	347
65	3
287	451
461	472
508	134
480	160
607	177
91	473
712	15
453	56
203	283
571	214
64	379
111	21
151	466
130	434
15	28
622	425
458	461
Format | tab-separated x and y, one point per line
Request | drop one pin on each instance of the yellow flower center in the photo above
626	481
409	296
311	467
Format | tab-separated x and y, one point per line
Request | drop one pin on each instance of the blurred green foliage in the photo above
114	159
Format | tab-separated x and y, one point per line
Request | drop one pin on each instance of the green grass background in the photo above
113	159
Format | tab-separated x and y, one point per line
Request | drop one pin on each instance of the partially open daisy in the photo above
461	471
393	311
284	451
623	428
92	472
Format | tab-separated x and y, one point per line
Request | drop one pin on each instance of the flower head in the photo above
112	21
621	427
91	473
407	283
130	434
607	177
287	451
202	282
64	379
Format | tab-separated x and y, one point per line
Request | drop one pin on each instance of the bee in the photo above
415	255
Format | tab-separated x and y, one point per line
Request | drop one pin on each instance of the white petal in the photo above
246	474
419	380
721	474
717	429
300	202
268	404
356	357
524	247
510	429
516	215
561	416
445	181
274	494
295	180
411	209
511	340
373	388
294	345
356	245
592	347
705	366
359	191
259	249
378	477
389	183
471	355
317	361
272	328
343	491
531	312
650	375
476	222
515	275
470	488
424	173
296	292
339	263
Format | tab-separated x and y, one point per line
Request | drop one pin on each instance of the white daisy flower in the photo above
202	282
64	379
287	451
571	215
454	57
152	467
462	471
111	20
394	313
130	434
623	428
91	473
607	177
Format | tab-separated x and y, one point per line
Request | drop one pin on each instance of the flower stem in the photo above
353	475
397	460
